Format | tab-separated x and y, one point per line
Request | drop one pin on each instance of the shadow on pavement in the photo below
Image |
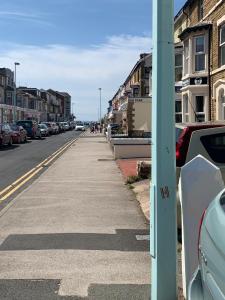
123	240
25	289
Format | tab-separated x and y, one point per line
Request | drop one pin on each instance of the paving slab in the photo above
72	234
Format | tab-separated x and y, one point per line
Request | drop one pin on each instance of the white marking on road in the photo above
142	237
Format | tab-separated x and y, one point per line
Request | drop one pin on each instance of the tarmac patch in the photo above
123	240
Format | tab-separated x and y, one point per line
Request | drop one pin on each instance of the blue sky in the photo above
75	45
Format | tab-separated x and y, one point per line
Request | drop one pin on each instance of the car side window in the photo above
215	146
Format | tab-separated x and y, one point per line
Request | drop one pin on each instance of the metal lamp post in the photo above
15	102
100	105
163	186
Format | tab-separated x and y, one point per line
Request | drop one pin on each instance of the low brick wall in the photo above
132	150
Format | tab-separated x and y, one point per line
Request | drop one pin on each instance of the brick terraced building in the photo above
203	37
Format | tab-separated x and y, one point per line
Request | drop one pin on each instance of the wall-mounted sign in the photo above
198	80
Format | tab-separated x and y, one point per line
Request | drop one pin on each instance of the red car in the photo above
19	134
5	135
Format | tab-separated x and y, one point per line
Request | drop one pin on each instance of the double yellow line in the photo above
12	188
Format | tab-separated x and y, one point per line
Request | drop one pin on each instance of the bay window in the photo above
199	53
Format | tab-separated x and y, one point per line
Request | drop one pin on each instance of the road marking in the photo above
21	184
142	237
9	190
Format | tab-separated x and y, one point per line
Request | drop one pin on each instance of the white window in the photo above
200	108
186	108
222	45
221	104
186	57
199	48
178	67
178	111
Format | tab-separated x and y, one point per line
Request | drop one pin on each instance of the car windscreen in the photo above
214	144
25	124
14	127
43	126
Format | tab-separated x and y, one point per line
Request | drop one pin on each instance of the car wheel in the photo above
25	139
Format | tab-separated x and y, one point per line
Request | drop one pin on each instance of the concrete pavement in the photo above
75	232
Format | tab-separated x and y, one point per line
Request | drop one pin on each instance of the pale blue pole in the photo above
163	186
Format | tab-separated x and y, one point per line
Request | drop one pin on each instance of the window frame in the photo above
199	53
186	114
178	113
177	67
200	113
186	58
221	45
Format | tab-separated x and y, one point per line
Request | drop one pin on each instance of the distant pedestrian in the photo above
96	127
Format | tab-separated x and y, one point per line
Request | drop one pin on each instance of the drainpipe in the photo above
209	76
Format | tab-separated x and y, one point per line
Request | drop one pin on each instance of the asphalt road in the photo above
15	161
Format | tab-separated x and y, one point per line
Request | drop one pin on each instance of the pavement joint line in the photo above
9	190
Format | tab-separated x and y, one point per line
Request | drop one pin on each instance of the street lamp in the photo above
100	104
14	102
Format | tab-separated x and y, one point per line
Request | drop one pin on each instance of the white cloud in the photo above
80	71
30	17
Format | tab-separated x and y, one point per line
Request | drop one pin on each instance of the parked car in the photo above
80	127
19	134
31	127
209	280
66	125
72	125
55	128
199	138
60	125
44	129
50	128
5	135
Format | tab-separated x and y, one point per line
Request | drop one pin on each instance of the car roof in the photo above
199	125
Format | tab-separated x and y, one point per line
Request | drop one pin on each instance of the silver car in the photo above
209	280
43	129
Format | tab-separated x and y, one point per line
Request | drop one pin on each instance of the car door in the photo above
8	132
4	134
